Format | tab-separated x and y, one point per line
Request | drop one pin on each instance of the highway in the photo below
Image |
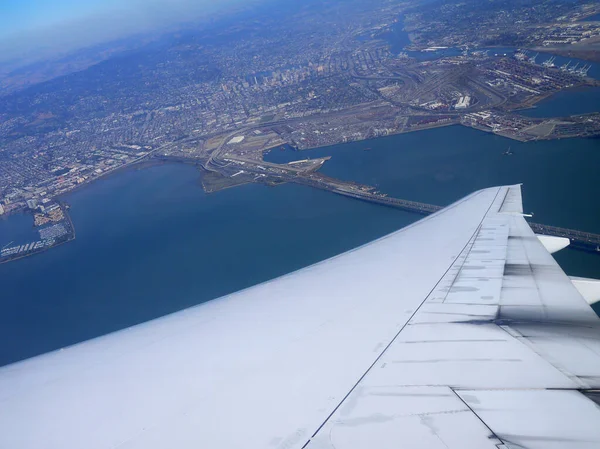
215	163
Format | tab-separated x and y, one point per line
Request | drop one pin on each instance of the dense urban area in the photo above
307	76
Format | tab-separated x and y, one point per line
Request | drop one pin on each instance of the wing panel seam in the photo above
475	233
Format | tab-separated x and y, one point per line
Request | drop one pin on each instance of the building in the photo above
463	102
1	209
237	139
32	203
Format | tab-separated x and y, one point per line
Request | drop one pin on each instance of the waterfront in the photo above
54	228
567	102
441	165
594	18
399	40
150	242
17	229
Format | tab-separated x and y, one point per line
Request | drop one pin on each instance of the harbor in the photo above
54	227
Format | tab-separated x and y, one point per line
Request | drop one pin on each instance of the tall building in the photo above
32	203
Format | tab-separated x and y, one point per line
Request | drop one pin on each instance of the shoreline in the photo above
9	259
150	160
135	165
72	235
153	161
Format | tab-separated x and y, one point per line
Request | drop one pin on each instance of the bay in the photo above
594	18
565	103
19	228
150	242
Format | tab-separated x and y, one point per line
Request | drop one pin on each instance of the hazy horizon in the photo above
37	29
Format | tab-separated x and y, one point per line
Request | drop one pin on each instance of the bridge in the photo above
584	241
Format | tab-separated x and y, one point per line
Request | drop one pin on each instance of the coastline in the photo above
165	246
9	259
138	164
70	236
147	161
152	159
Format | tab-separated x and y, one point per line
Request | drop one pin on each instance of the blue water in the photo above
594	18
17	230
440	165
150	242
396	37
567	102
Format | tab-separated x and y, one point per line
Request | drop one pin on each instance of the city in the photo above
313	82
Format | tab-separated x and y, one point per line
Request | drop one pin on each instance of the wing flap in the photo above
538	419
513	202
588	288
505	319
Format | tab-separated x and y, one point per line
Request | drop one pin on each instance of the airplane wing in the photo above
459	331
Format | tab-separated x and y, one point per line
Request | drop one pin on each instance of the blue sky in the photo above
36	29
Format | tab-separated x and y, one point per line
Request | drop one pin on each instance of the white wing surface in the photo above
459	331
